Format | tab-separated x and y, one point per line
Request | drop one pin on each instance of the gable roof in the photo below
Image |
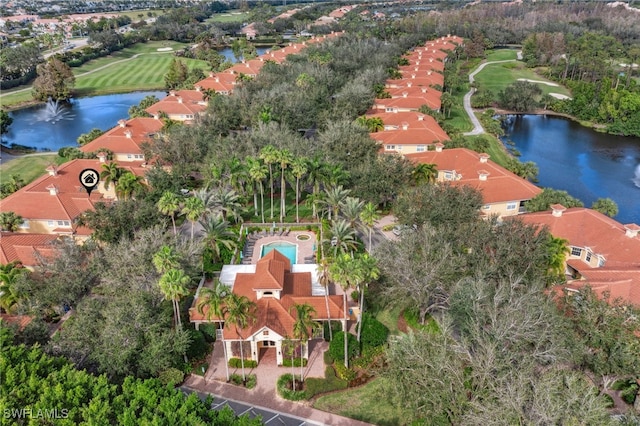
500	185
22	247
126	137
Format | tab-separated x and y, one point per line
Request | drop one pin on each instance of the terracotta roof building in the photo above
180	105
275	288
503	192
408	132
602	252
25	248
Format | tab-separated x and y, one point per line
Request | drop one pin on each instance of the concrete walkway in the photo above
477	127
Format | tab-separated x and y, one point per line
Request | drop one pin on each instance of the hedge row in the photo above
315	386
287	393
286	362
251	383
237	363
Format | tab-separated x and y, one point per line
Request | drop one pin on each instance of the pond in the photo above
34	127
585	163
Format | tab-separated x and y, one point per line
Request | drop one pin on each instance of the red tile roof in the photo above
23	247
182	102
500	185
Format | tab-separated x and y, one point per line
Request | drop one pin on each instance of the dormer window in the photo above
576	251
267	294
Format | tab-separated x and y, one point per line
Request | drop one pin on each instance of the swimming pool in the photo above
288	249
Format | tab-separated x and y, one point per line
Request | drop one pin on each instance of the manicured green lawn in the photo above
29	168
389	317
458	117
229	16
368	403
501	55
146	72
9	97
133	14
496	77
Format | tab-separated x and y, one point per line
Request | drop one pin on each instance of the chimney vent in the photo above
102	157
53	190
122	123
484	158
53	170
409	84
405	125
128	134
420	117
483	174
631	230
439	147
557	209
198	88
179	99
404	94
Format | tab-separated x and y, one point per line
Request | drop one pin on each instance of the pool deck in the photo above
305	252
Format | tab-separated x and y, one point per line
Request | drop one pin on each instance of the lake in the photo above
30	128
585	163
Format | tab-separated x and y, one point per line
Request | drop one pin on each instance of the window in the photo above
512	206
267	294
448	176
24	224
601	262
265	333
64	223
129	156
420	148
588	257
138	156
576	251
391	147
486	207
51	224
388	110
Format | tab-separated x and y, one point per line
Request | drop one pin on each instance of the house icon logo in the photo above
89	178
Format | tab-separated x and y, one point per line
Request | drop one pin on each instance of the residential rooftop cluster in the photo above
50	205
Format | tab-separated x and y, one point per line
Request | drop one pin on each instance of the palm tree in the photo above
333	197
372	124
447	101
218	234
236	174
128	185
557	250
424	173
227	202
303	327
298	169
9	295
350	209
258	173
284	157
193	209
316	175
368	216
111	173
342	237
10	221
212	298
241	312
340	272
366	270
169	204
324	279
173	285
336	175
269	155
165	260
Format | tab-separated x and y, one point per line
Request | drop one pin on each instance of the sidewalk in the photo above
262	398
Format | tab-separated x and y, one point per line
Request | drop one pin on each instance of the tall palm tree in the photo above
165	259
236	174
173	285
343	237
212	298
257	173
350	209
269	154
366	270
227	202
316	175
129	185
424	173
111	173
340	271
169	204
333	197
336	175
284	158
193	209
324	279
298	170
218	235
368	217
241	312
303	328
9	295
557	251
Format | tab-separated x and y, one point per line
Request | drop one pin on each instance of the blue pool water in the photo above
287	249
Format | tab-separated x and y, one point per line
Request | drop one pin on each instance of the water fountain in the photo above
636	180
54	111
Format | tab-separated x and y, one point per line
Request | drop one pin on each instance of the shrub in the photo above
368	356
248	363
609	403
355	295
629	394
336	347
328	359
171	376
331	382
343	372
209	332
286	362
336	326
374	333
201	369
252	381
282	387
198	346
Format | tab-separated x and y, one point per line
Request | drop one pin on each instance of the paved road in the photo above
477	127
269	417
